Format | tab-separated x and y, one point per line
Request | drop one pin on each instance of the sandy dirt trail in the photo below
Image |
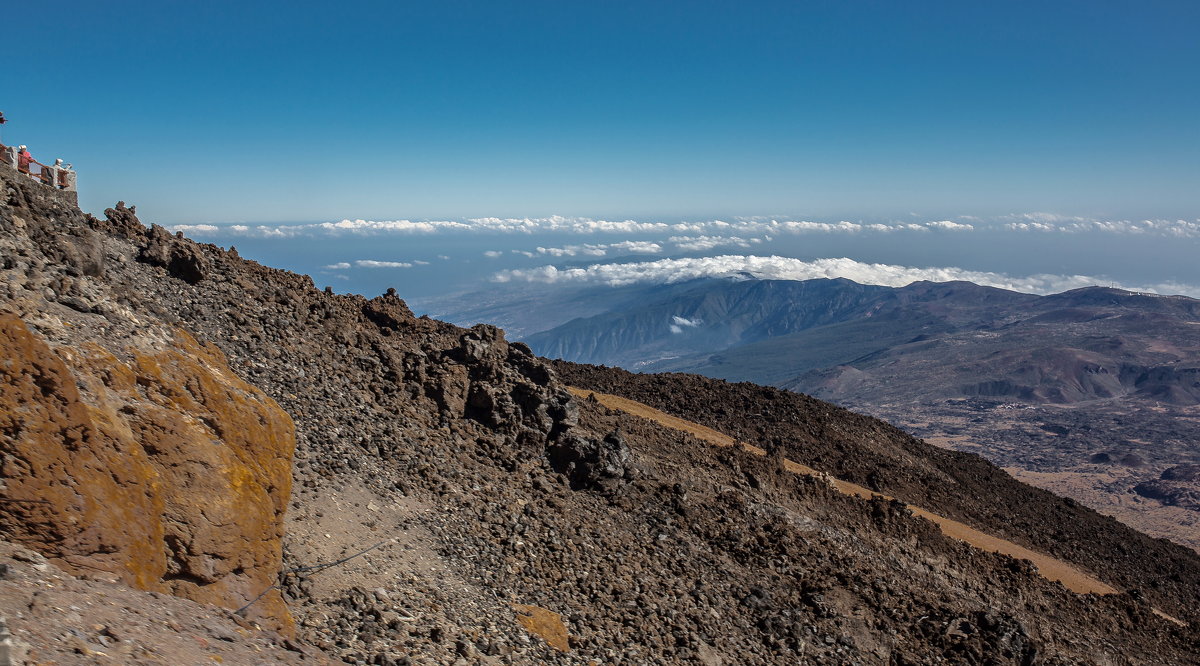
1049	567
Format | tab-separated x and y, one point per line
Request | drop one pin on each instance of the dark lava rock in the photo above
590	464
181	258
1171	493
1132	460
1181	473
1055	428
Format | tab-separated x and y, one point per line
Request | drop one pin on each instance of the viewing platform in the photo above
57	175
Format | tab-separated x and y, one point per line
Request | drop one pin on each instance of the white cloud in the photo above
704	243
572	250
558	223
679	323
636	247
1049	222
949	225
493	253
339	266
371	263
552	224
740	227
596	250
418	262
786	268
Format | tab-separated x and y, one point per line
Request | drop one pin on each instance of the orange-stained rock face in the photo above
167	471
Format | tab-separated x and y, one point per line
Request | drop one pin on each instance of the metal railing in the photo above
52	175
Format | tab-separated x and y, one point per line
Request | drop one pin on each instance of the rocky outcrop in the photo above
1182	473
590	464
180	258
161	468
1176	486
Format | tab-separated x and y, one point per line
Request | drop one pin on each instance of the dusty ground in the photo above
57	618
406	580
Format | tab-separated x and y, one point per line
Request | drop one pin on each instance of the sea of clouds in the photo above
711	229
787	268
554	249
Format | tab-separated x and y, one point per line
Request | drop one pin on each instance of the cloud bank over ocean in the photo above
1024	222
786	268
1033	252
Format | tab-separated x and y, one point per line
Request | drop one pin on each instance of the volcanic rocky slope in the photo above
884	458
483	493
1093	393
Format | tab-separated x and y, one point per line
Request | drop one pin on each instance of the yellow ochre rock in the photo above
165	470
544	623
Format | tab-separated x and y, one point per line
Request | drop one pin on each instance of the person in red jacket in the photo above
24	159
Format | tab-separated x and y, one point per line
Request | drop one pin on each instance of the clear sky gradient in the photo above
301	111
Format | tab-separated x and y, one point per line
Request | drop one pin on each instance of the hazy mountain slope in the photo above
525	309
1087	344
854	343
712	315
778	360
470	484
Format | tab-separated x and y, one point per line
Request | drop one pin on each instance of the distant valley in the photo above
1093	393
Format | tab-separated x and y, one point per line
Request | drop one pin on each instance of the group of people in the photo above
25	163
57	171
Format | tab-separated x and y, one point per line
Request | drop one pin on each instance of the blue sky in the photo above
301	111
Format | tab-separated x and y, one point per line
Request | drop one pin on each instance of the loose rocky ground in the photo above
57	618
885	459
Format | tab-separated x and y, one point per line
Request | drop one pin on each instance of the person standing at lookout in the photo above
24	159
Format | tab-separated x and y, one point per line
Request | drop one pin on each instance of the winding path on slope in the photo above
1049	567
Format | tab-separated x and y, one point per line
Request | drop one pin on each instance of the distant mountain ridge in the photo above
718	314
845	341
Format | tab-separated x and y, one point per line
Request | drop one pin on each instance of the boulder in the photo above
591	464
182	259
165	470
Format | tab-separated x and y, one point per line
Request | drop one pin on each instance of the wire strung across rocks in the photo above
310	569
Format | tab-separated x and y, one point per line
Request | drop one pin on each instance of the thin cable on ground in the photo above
310	569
